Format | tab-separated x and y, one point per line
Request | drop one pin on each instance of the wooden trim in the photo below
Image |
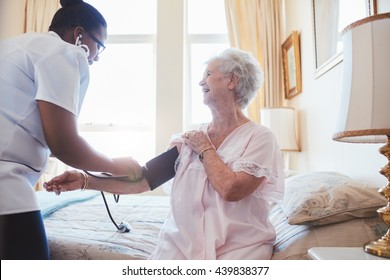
356	133
364	21
292	65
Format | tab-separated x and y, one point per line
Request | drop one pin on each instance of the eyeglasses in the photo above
101	46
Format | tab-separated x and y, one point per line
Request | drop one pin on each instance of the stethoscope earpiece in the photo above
83	46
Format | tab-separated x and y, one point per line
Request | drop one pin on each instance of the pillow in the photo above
319	198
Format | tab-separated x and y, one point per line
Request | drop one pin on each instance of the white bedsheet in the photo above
84	230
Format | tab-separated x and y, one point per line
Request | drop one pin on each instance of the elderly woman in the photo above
227	172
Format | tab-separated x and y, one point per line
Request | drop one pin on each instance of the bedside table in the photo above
341	253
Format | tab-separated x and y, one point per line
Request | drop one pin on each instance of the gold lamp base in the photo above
381	247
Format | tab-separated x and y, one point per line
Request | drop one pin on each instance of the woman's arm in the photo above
232	186
61	134
75	180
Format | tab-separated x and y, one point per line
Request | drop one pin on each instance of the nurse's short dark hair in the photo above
76	13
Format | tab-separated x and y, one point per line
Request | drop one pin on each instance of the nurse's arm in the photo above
65	143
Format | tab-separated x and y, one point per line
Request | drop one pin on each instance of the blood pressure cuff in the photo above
160	169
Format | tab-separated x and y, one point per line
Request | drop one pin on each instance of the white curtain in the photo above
39	14
255	26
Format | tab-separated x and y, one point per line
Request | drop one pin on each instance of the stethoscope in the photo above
156	171
123	226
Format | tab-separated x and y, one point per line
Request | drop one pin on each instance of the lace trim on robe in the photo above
255	170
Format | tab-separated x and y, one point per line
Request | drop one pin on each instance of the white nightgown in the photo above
201	225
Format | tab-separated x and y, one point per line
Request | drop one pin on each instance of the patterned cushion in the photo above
319	198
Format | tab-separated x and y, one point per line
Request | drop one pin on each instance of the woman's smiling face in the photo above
214	83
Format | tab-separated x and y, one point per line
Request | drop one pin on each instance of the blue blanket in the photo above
49	202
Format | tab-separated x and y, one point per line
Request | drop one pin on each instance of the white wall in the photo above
318	107
170	72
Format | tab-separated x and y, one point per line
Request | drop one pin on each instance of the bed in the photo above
320	209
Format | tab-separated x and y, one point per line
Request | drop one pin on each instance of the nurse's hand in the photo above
68	181
129	167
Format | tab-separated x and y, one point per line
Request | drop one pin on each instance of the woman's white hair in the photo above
245	67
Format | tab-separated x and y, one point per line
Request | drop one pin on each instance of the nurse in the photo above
43	81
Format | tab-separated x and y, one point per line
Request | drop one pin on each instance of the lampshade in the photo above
365	112
281	121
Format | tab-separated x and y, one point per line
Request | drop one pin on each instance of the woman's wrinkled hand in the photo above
68	181
197	140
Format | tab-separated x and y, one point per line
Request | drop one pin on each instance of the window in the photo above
206	36
118	114
121	114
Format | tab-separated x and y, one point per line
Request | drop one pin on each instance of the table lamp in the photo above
281	121
365	104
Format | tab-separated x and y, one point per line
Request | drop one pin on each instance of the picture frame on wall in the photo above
292	65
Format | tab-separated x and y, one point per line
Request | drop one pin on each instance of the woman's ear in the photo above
233	81
77	31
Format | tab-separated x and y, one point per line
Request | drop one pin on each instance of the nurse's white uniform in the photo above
34	66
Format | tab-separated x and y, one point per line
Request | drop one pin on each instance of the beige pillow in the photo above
319	198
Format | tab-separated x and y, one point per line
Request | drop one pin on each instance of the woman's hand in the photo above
68	181
197	140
